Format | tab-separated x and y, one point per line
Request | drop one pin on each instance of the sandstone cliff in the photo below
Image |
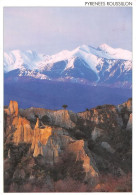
42	147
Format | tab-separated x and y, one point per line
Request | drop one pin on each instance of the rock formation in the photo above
43	147
129	124
12	109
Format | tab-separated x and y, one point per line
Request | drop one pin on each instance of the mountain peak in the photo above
84	48
104	47
84	62
115	53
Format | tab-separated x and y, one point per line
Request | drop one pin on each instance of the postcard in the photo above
67	97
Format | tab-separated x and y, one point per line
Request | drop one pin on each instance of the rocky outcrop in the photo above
23	132
40	138
129	124
51	142
125	110
12	109
62	118
42	146
102	114
97	132
108	147
77	148
128	105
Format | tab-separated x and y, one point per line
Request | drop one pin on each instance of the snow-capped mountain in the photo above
17	59
102	65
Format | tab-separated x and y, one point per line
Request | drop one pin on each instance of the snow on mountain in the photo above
104	64
32	73
89	54
32	60
17	59
117	53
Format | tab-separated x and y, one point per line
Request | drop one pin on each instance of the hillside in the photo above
47	150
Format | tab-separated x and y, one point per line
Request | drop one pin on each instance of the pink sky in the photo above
52	29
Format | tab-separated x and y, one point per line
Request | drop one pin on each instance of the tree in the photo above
65	106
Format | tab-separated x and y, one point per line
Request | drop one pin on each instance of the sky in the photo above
52	29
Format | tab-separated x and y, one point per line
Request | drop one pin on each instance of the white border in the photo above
58	3
61	3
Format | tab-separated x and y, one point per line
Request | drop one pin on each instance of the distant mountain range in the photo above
82	78
85	64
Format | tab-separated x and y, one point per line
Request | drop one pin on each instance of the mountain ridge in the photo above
53	94
78	78
18	54
102	65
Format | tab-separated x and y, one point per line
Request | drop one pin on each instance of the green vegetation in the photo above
65	106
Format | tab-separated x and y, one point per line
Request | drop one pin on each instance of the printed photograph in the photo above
67	99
